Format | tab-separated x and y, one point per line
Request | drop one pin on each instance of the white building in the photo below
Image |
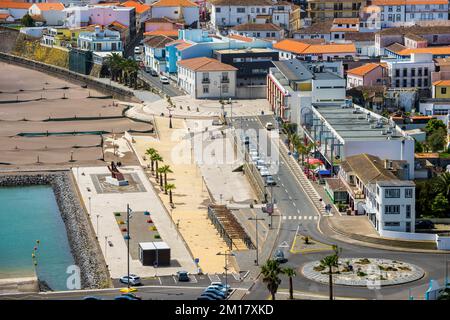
185	10
77	16
411	73
235	12
51	13
259	30
207	78
100	40
374	190
15	9
394	13
155	52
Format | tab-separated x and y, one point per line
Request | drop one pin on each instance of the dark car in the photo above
279	256
205	298
424	224
123	297
92	298
182	276
211	295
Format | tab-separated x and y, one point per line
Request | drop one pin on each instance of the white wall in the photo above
215	90
190	14
328	91
408	235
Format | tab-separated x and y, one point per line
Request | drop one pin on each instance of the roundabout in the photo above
367	272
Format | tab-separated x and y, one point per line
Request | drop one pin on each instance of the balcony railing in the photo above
225	80
205	80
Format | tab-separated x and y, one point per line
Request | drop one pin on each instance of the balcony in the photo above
205	80
225	80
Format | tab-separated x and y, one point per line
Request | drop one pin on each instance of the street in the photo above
168	89
292	202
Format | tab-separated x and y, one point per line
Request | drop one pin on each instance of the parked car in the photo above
211	295
91	298
424	224
269	126
123	297
182	276
206	298
164	80
153	73
131	295
221	285
219	288
264	173
216	291
247	140
270	181
279	256
134	280
137	50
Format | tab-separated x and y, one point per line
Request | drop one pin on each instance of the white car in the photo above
264	173
137	50
164	80
269	126
134	280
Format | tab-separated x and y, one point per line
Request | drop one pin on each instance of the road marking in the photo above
193	278
174	279
214	277
294	217
294	204
290	217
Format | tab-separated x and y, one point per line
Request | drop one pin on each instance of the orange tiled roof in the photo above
4	15
183	45
169	33
205	64
50	6
364	69
291	46
118	24
15	5
442	83
432	50
330	48
174	3
341	29
241	38
346	21
140	8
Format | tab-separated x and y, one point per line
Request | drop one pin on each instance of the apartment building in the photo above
259	30
207	78
411	73
378	189
319	10
155	52
100	40
369	74
293	85
178	10
228	13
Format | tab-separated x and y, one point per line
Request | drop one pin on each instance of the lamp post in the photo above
89	205
256	219
96	237
106	242
170	119
231	111
129	212
226	265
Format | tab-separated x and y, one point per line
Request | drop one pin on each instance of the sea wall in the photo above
83	245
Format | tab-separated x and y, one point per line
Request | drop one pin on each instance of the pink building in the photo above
369	74
166	24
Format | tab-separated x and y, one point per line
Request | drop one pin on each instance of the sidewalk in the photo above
190	197
186	107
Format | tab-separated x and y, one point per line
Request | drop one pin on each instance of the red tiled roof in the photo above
205	64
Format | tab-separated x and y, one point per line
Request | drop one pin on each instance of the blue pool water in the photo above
28	214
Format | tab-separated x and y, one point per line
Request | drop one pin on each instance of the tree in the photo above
160	172
418	147
170	187
443	184
440	206
433	125
165	170
27	21
114	63
149	152
437	139
290	272
156	158
330	262
271	271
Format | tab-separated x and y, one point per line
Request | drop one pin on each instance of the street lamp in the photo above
89	205
231	111
256	219
96	237
129	213
106	242
170	119
226	266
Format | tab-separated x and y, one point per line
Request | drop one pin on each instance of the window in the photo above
425	82
218	10
443	90
263	10
114	46
205	89
419	82
408	211
225	88
419	72
405	83
397	83
392	209
397	72
240	10
392	224
413	72
392	193
405	72
336	36
413	82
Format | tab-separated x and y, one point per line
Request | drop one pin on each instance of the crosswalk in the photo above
300	217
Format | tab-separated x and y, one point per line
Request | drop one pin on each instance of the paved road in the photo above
292	202
168	89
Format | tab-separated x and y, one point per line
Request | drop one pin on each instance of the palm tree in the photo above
308	149
160	172
156	158
170	187
443	184
149	152
165	170
330	262
113	62
271	271
290	272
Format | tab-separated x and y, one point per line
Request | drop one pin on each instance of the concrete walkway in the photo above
206	108
190	197
102	206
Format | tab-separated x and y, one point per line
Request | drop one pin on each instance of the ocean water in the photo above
28	214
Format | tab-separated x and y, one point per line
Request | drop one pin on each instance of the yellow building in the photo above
319	10
441	89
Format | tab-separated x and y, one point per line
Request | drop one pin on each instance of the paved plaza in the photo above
103	204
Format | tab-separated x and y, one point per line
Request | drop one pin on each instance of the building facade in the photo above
319	10
412	73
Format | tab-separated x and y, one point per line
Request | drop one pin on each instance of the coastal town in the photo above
224	150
